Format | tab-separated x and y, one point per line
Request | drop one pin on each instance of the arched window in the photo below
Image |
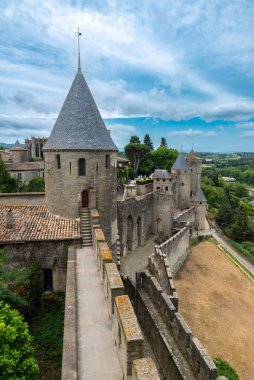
81	167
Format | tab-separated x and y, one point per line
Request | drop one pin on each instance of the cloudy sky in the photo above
182	69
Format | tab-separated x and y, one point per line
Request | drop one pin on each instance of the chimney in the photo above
10	221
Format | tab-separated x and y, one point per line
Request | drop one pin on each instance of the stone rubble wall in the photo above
176	249
186	216
140	206
161	289
33	198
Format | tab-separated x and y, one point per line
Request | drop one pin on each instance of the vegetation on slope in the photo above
225	369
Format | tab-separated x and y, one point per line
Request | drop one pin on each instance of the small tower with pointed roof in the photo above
196	165
80	160
182	171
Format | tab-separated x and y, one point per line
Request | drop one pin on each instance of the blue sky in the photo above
182	69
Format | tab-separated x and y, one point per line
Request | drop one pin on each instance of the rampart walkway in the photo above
97	358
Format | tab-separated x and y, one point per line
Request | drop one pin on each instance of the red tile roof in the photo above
36	223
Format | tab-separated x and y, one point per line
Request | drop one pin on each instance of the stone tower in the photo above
196	164
80	161
162	202
199	201
182	170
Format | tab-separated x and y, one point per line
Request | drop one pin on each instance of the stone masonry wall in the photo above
140	206
186	216
46	255
64	186
176	249
22	199
196	355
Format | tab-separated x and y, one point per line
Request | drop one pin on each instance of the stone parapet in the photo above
144	369
128	337
201	363
113	286
176	249
104	256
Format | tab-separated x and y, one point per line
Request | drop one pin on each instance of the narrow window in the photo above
163	180
19	176
157	180
58	161
107	161
182	184
70	168
158	188
81	167
166	188
47	280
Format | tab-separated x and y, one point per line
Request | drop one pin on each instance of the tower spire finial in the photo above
78	34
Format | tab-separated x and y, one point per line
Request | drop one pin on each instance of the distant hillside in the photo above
8	146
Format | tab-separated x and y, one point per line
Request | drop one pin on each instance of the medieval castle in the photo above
82	207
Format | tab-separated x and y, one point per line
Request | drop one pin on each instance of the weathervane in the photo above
78	34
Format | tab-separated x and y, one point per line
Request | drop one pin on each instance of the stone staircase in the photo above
86	230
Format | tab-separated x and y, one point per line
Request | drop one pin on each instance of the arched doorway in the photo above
139	230
85	198
129	232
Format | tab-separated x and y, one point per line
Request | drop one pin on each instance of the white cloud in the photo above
247	134
193	133
245	125
121	133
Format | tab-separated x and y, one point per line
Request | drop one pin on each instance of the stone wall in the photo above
185	216
45	255
176	249
143	189
128	337
22	199
70	348
196	355
138	207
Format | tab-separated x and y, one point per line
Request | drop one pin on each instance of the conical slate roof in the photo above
181	163
199	196
79	125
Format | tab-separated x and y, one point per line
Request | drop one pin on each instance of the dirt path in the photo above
217	301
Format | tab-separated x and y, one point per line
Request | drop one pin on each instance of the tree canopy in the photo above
135	140
148	142
136	153
8	184
17	361
163	142
163	157
36	184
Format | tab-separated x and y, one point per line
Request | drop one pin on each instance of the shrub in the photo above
16	352
225	369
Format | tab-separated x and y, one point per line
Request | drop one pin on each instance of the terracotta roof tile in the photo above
36	223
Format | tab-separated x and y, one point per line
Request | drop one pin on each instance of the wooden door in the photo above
85	200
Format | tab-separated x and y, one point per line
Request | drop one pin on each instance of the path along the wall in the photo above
97	357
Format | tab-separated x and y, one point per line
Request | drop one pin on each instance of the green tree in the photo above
8	184
36	184
163	142
17	361
135	140
136	153
148	142
13	282
164	157
226	213
241	229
